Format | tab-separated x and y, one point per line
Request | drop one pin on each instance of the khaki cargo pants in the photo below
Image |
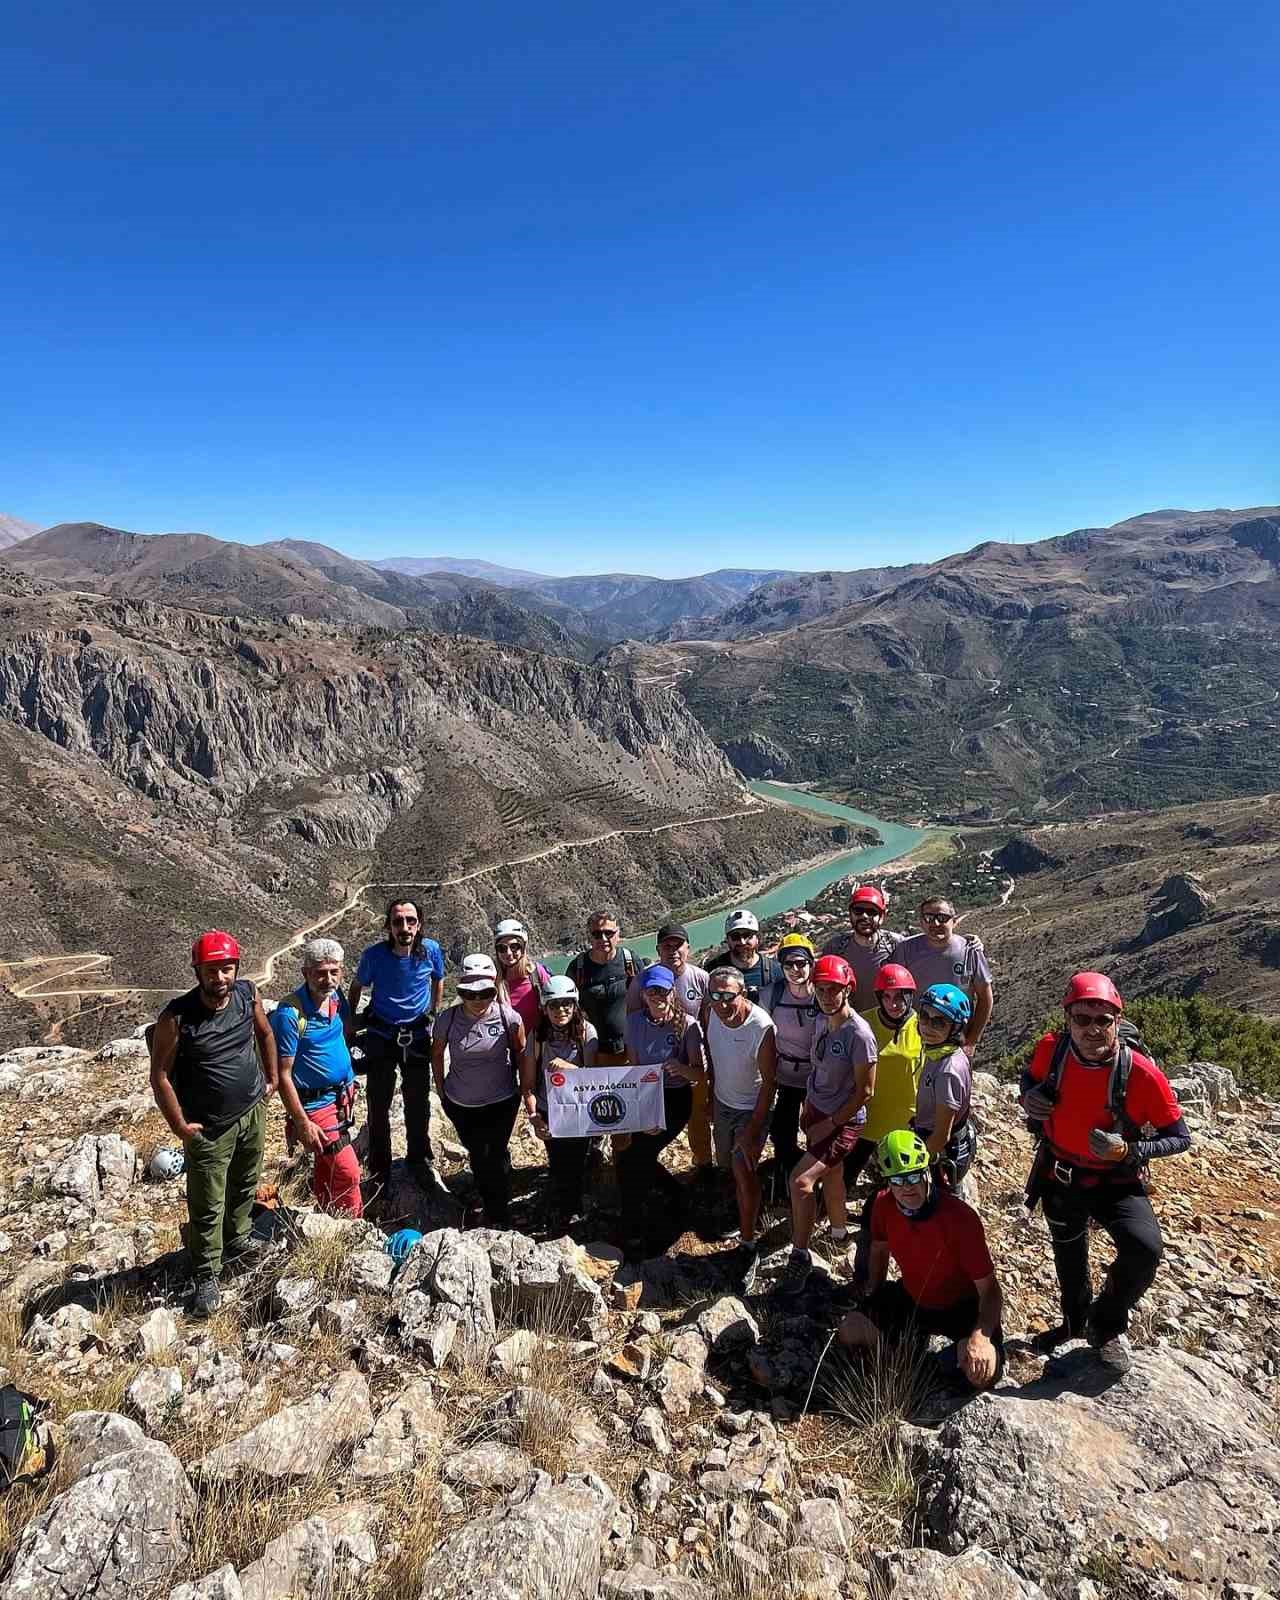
222	1179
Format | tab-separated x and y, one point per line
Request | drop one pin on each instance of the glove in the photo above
1106	1145
1038	1104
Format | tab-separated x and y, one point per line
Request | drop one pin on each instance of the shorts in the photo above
832	1150
727	1123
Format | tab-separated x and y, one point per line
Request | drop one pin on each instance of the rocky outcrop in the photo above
1180	902
1172	1470
120	1528
297	1442
1022	855
756	756
545	1543
443	1297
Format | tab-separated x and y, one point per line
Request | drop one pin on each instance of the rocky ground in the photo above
514	1415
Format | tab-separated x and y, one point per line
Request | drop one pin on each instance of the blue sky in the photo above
655	287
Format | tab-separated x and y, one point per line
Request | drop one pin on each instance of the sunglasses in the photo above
478	994
798	963
739	938
1098	1020
866	911
561	1005
937	916
928	1014
604	933
509	949
722	997
907	1180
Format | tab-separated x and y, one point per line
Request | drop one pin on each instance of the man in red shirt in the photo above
1092	1097
948	1284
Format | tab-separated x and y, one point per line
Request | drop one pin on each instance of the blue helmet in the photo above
400	1244
953	1003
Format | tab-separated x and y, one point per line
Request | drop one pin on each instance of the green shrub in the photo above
1177	1031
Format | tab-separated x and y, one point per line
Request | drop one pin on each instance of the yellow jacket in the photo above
898	1067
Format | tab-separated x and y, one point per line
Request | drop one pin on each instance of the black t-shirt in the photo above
602	994
764	972
216	1075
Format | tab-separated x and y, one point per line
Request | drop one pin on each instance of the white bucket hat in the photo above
478	972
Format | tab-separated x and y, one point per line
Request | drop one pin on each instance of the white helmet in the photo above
560	988
511	928
744	919
167	1163
478	972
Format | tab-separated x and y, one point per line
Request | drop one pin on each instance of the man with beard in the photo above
406	974
939	954
758	971
868	945
213	1064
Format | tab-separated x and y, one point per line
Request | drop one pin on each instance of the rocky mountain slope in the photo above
517	1414
1129	666
14	529
162	768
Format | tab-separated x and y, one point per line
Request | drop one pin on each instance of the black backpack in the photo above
1129	1040
23	1452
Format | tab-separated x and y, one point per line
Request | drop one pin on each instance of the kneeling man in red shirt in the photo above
948	1284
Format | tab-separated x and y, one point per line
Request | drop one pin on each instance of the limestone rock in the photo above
298	1441
643	1582
539	1286
545	1543
1053	1473
409	1428
821	1523
70	1328
351	1233
727	1325
1180	902
313	1559
651	1430
119	1529
151	1394
651	1489
446	1278
370	1271
223	1584
513	1355
156	1333
90	1435
29	1286
98	1166
930	1575
488	1466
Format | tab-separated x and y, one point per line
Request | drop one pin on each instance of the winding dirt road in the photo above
94	960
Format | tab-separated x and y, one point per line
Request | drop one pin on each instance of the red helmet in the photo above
892	976
834	969
1093	986
866	894
214	946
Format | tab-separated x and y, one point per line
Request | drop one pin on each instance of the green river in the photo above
897	841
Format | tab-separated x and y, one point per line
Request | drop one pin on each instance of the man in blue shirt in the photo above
406	975
317	1084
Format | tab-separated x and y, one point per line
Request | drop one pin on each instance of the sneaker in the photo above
1116	1353
206	1299
1044	1344
796	1273
245	1251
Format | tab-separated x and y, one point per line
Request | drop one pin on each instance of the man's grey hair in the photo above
317	950
716	979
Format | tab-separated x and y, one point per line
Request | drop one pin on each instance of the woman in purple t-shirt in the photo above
484	1041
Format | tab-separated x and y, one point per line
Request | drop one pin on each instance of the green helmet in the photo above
902	1151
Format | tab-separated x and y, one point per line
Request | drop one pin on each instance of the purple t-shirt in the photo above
946	1080
954	963
866	961
559	1048
835	1055
691	990
482	1054
794	1018
650	1043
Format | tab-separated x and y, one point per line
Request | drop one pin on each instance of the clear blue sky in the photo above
658	286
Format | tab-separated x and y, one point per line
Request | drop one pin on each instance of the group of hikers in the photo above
852	1060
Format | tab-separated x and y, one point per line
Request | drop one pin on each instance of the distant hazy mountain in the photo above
420	566
292	577
14	529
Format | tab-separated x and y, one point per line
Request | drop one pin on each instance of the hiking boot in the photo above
1116	1352
1044	1344
206	1298
746	1265
796	1273
243	1253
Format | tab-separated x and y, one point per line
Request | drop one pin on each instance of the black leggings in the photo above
784	1126
486	1133
1125	1212
567	1160
640	1169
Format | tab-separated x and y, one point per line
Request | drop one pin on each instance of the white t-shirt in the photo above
734	1053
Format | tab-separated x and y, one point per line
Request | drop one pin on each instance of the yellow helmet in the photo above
796	941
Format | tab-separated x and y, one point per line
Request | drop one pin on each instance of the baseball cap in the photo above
673	930
657	977
478	972
737	920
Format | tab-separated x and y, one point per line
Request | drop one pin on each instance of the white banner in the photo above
583	1102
